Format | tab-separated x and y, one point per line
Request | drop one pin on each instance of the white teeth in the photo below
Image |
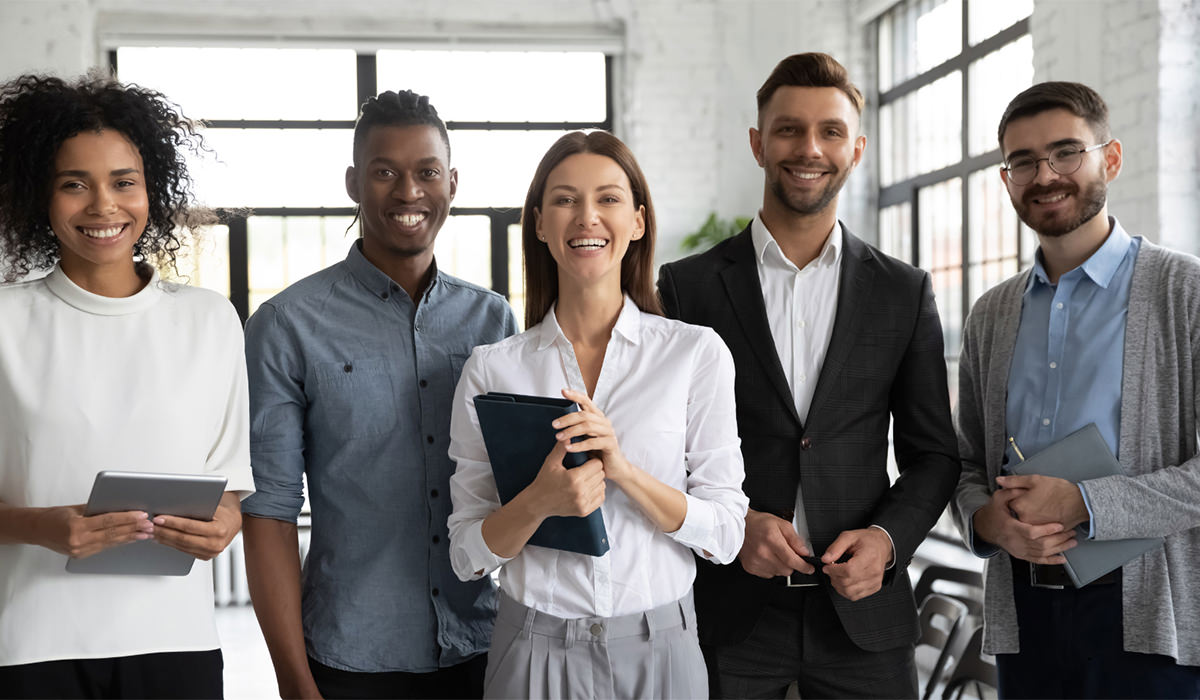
102	232
408	219
1055	198
587	243
805	176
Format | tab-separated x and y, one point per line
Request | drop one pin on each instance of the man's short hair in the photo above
809	70
404	108
1076	98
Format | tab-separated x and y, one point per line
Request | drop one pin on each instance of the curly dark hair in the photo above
38	113
404	108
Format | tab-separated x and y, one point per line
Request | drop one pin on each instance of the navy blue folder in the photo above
518	434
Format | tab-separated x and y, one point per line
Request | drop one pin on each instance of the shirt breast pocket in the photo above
354	397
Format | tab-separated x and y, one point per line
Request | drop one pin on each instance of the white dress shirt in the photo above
667	387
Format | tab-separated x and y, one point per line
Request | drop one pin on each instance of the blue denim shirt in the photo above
351	384
1069	354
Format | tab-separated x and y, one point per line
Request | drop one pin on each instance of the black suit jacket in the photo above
885	361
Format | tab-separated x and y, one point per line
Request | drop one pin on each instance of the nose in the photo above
586	214
102	200
808	145
1044	174
407	188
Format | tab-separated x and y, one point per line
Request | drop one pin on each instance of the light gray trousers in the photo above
652	654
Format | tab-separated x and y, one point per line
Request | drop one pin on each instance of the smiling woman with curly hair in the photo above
105	366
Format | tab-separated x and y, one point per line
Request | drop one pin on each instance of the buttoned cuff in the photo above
698	524
482	560
892	561
1091	527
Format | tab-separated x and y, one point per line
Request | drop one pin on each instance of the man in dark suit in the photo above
832	339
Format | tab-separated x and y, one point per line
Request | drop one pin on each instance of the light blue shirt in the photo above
1068	359
351	385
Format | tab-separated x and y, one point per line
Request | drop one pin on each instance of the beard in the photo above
1088	203
807	204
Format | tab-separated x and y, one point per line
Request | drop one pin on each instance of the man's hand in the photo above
1040	544
1045	499
772	547
870	550
203	540
66	530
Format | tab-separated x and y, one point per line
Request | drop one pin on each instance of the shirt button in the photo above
384	295
348	368
435	593
596	629
395	287
436	539
1053	365
802	324
1059	305
433	493
423	383
1045	421
805	443
429	439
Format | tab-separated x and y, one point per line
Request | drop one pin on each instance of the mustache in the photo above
1036	191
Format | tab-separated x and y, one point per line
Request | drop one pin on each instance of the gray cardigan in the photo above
1159	494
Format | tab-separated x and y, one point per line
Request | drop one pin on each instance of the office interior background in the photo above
279	83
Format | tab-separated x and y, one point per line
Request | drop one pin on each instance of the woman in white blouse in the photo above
657	409
104	366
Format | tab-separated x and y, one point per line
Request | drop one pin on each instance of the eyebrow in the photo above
824	122
429	160
569	188
1049	147
85	173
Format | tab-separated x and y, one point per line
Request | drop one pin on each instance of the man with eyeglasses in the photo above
1104	330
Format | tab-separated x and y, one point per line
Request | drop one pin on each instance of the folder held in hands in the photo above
518	434
1079	456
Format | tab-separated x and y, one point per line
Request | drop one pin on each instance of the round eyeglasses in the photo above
1064	160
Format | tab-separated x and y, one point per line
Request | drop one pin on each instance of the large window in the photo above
280	125
947	69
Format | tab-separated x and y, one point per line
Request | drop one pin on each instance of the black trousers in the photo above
800	638
1072	646
179	674
464	680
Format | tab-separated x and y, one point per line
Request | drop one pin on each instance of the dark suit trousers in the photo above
1072	647
799	638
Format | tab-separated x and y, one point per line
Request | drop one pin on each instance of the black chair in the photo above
960	584
972	669
942	618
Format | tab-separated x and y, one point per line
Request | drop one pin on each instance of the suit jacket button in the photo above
805	443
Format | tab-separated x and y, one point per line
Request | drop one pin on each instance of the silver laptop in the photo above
193	496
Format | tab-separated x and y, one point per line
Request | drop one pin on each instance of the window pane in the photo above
230	83
988	17
501	85
995	79
940	232
922	131
464	249
204	262
273	168
992	235
895	231
922	34
284	250
495	167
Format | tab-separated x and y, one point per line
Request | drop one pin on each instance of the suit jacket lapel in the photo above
745	294
858	274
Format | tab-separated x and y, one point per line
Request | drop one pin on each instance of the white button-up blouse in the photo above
667	388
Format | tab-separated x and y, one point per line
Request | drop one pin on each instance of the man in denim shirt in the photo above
352	371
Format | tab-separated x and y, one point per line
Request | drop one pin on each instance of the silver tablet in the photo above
193	496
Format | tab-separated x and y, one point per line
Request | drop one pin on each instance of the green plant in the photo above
713	231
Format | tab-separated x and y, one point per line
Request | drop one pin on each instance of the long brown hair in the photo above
541	272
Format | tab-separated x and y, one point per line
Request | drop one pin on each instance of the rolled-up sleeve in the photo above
715	524
277	408
472	487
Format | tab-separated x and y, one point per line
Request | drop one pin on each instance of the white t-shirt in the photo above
154	382
667	388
